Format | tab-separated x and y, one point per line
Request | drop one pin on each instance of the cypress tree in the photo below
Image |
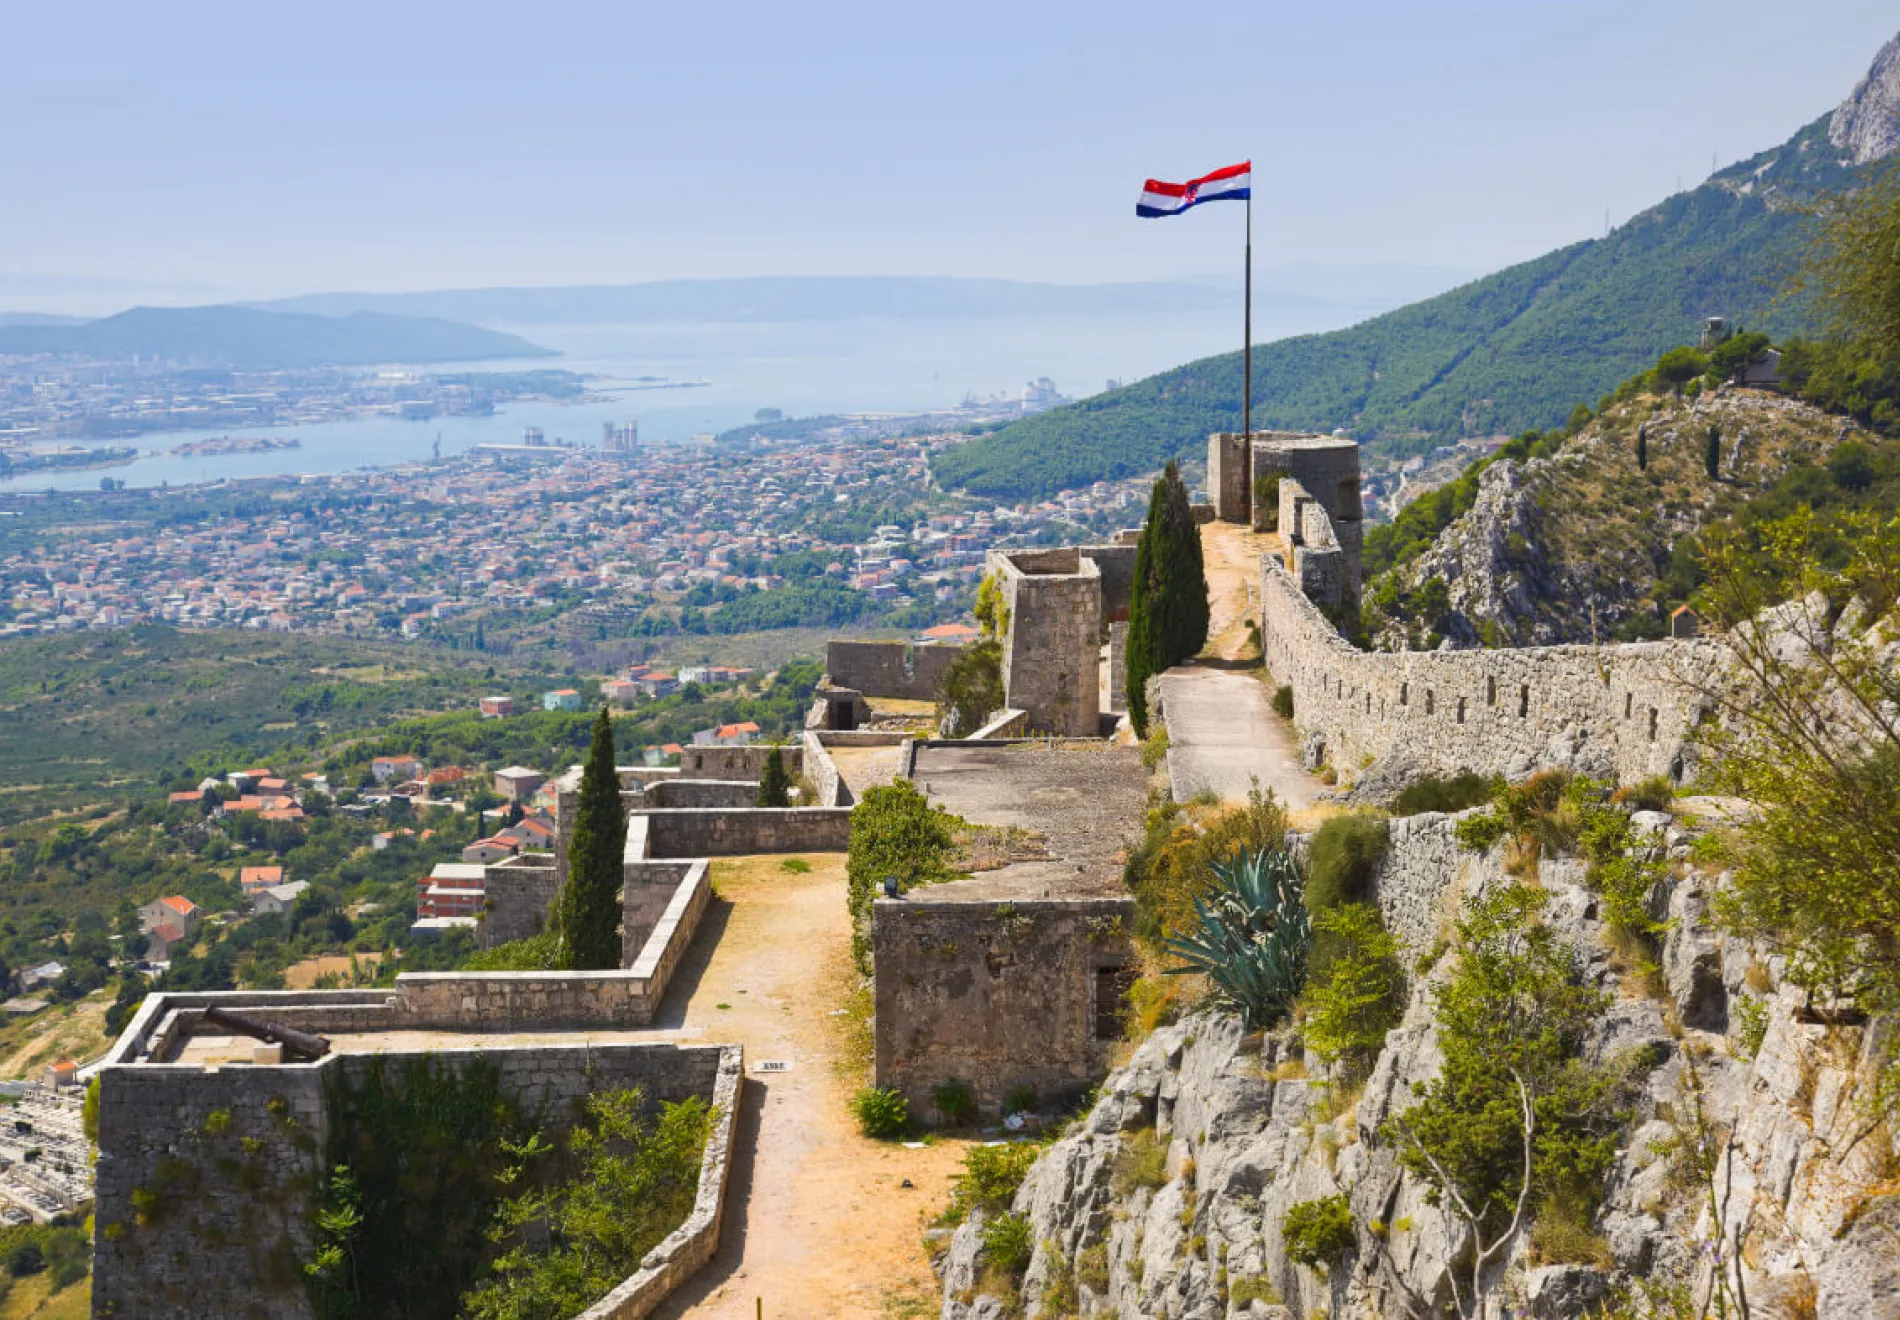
774	784
1167	613
1642	447
589	907
1712	454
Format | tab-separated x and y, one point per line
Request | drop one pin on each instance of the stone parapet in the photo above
1621	711
207	1177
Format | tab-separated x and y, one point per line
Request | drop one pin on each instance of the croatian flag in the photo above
1233	184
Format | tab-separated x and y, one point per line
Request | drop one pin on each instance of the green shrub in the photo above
1007	1244
1174	863
1020	1100
896	834
971	689
1142	1161
1513	1008
1343	859
955	1102
1317	1233
536	953
1652	794
1246	1290
1283	701
990	1177
1432	793
1751	1026
1266	502
1356	998
1091	1268
882	1113
1250	937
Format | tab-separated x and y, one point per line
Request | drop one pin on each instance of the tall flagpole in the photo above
1247	322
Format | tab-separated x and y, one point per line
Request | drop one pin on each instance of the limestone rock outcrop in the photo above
1867	125
1799	1177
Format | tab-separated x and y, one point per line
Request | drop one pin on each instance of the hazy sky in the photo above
270	148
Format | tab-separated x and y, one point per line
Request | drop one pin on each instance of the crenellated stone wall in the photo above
743	764
1622	711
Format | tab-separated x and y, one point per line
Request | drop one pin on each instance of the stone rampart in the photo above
998	995
519	892
679	793
740	832
897	670
1622	711
744	764
207	1177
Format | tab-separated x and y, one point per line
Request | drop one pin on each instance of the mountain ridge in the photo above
252	338
1511	351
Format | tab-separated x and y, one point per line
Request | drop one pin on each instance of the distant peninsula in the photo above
248	338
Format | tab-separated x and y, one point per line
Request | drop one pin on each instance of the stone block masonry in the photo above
1621	712
738	832
894	670
518	894
207	1177
999	995
1052	655
743	764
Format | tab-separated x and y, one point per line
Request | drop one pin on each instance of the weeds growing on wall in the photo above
535	953
1433	793
629	1178
971	689
416	1165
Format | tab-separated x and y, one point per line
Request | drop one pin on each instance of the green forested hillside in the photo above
1503	354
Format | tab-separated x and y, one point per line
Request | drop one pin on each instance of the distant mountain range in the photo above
250	338
1515	350
781	298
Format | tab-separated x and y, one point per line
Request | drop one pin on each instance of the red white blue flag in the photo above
1233	184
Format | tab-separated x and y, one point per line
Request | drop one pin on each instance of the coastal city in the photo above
50	404
837	527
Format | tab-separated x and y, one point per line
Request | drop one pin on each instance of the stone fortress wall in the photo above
1625	710
1065	606
897	671
207	1177
998	994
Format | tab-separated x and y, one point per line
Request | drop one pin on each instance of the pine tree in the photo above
589	907
1167	614
774	784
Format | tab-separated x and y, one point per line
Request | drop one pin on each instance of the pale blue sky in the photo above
285	148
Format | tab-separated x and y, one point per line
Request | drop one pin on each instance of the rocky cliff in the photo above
1867	126
1749	1137
1571	547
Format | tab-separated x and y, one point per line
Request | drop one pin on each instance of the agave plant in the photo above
1250	935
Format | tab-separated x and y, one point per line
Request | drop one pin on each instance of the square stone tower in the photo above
1317	507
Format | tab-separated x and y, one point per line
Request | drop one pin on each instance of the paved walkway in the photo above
1222	732
1224	736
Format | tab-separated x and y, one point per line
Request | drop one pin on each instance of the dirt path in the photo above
818	1222
1231	554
